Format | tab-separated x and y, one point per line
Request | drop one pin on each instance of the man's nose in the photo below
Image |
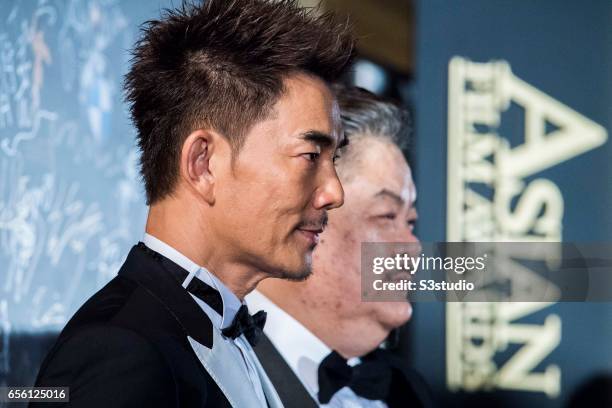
330	194
414	244
406	235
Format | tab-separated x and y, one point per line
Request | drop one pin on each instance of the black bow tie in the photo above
370	379
244	323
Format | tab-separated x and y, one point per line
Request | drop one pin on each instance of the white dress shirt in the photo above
303	352
231	304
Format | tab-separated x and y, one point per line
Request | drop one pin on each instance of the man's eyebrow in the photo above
320	138
390	194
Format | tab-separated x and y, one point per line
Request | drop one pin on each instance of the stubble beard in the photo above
296	276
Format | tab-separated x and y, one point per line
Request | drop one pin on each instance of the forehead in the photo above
378	164
307	104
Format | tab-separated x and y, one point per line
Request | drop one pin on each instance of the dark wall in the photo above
563	49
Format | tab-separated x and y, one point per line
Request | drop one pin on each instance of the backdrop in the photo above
512	106
514	110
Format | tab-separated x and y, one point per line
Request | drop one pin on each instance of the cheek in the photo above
243	213
260	195
338	257
379	231
282	193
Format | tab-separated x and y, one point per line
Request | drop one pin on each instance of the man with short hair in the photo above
238	132
315	326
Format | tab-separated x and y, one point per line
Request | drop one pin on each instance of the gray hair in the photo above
366	114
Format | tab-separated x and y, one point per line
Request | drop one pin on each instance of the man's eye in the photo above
335	158
311	157
388	216
411	223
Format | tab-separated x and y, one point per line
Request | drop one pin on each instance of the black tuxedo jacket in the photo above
408	390
127	345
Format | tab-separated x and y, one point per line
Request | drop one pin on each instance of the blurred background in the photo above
512	111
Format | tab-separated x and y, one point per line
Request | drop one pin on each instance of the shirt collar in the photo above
300	348
231	303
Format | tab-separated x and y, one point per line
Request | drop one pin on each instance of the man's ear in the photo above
195	163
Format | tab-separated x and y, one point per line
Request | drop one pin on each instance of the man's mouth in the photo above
311	229
312	235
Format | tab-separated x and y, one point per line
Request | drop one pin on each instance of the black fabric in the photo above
244	323
207	294
371	379
127	345
288	386
197	287
406	390
379	376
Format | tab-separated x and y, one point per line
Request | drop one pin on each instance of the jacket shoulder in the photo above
123	303
106	365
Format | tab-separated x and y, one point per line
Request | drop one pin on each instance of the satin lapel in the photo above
274	400
153	273
289	387
226	371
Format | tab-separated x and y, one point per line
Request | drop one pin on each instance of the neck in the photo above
183	227
349	336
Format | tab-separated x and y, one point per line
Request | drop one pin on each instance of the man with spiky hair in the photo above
238	132
322	341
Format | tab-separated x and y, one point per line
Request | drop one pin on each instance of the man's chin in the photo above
396	314
295	274
299	277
